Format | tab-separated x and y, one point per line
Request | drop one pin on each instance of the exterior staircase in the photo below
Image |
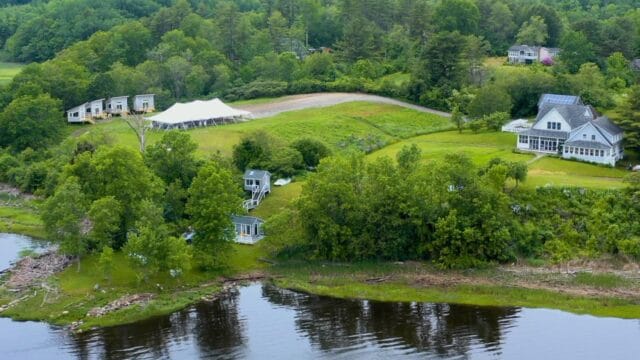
257	194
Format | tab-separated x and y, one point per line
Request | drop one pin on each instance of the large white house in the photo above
572	130
525	54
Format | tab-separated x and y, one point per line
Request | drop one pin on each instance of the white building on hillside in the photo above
573	131
144	103
118	105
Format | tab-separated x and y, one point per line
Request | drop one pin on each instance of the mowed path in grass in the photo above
8	71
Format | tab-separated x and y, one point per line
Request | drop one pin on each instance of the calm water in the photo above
261	321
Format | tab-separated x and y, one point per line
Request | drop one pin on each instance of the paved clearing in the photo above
305	101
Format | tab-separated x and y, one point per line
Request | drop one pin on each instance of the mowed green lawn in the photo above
483	147
8	71
333	125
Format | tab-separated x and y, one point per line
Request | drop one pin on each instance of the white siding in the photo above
76	114
552	116
588	132
144	103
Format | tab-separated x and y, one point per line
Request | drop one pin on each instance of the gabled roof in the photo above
559	99
246	220
606	124
523	48
574	115
78	107
255	174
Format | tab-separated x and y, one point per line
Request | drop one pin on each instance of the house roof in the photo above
587	144
78	107
143	95
546	133
196	111
118	97
523	48
559	99
255	174
97	100
606	124
575	115
246	220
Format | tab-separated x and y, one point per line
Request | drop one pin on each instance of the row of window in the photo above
583	151
554	125
584	136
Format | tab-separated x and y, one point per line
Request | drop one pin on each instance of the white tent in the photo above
197	113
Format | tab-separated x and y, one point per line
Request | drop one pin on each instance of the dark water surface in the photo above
261	321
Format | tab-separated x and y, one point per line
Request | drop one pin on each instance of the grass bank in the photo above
20	216
69	295
416	282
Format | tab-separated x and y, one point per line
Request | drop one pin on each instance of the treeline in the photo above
451	212
102	198
427	51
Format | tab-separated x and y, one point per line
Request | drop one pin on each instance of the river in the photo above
261	321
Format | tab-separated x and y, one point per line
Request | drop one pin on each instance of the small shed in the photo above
248	229
118	105
78	114
257	180
144	103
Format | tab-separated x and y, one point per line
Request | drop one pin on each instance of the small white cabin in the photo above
96	109
144	103
118	105
248	229
78	114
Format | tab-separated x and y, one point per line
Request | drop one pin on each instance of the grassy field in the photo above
8	71
333	125
20	216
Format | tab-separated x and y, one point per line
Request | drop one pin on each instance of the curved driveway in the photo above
305	101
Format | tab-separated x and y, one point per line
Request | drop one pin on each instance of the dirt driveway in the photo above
305	101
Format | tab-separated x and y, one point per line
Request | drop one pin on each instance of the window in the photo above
593	137
590	152
145	105
601	152
524	139
581	151
119	107
548	125
584	136
76	114
559	126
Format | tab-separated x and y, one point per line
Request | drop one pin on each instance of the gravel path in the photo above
305	101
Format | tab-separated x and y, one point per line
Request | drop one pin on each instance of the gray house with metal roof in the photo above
572	130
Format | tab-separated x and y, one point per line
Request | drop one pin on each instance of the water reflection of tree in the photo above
443	329
214	327
218	327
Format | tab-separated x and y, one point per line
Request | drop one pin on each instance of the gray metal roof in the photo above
255	174
587	144
635	64
524	48
546	133
575	115
559	99
246	220
606	124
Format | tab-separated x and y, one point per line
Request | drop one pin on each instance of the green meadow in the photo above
8	71
392	127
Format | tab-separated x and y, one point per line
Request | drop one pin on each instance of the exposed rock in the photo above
30	270
121	303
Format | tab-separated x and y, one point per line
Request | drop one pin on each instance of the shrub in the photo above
311	150
630	247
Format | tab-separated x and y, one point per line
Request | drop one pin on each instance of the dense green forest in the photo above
430	52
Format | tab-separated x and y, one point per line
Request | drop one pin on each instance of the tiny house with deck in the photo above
86	112
144	103
248	229
118	105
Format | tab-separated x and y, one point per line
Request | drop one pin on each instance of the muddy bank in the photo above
30	271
